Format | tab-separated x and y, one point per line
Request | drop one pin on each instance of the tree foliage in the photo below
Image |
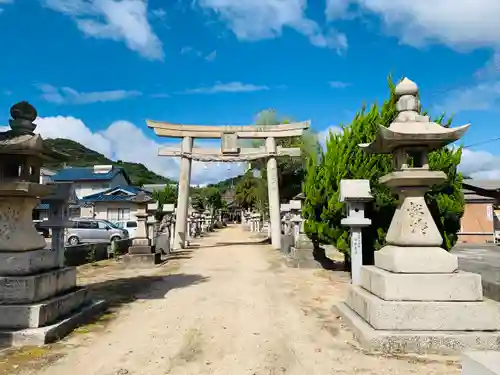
251	192
206	198
291	170
343	159
166	196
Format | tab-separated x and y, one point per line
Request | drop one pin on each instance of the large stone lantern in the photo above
39	298
414	299
141	253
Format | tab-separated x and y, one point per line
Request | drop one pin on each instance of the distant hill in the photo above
81	156
227	184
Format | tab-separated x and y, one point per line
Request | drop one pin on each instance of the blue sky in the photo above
96	69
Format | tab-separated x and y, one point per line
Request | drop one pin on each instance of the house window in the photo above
118	214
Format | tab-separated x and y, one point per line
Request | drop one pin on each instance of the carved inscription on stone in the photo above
229	143
356	243
418	222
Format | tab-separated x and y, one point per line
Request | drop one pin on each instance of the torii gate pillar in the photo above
180	235
273	193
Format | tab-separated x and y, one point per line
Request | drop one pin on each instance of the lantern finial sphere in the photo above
406	87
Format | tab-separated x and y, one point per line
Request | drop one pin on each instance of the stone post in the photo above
257	222
198	224
183	197
355	193
141	253
273	193
59	200
39	299
189	231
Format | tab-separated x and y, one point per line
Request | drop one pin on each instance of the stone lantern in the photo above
414	299
141	253
355	193
39	299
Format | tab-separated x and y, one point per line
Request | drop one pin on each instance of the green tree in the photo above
291	170
247	193
166	196
343	159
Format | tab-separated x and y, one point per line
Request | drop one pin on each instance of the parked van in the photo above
93	230
129	225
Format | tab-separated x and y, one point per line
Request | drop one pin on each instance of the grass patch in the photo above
12	361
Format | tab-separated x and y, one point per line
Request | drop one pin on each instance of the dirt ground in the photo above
220	308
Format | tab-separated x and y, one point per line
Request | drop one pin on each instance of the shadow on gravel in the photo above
242	243
180	254
327	263
117	292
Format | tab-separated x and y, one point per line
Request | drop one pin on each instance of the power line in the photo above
483	142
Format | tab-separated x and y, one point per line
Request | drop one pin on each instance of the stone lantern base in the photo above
40	302
401	310
142	254
302	253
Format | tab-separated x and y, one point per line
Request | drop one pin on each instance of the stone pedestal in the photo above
414	298
481	363
302	254
141	254
39	299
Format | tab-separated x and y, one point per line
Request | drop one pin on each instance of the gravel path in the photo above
234	310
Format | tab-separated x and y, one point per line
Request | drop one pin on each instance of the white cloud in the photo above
226	87
480	165
211	56
191	51
264	19
461	25
338	84
479	97
67	95
159	13
160	95
5	2
122	140
490	70
188	50
119	20
324	134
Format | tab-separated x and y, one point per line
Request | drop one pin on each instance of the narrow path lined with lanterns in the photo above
231	308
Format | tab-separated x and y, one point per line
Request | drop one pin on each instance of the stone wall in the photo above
86	253
120	247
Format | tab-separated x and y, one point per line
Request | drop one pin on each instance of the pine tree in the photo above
343	159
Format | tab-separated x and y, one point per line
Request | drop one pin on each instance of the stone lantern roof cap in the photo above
410	129
21	139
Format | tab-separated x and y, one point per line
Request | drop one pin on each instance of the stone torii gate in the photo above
229	152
